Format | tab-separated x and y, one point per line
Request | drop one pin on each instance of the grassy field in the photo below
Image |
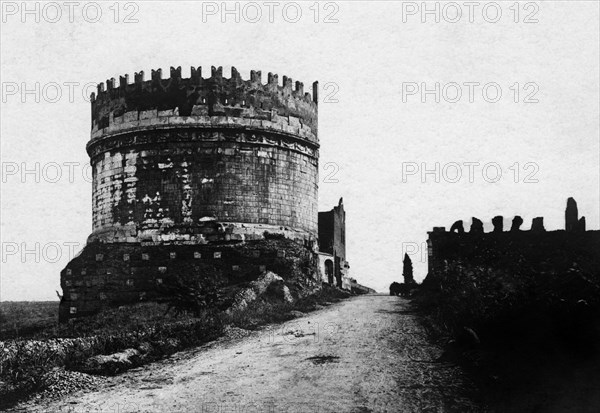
26	318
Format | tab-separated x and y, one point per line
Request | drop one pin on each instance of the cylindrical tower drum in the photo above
203	159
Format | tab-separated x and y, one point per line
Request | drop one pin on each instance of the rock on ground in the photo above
113	363
258	287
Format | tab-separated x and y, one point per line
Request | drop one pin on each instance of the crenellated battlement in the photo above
201	97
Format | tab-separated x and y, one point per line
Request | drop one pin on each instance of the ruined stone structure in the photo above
533	247
186	168
571	214
572	221
332	246
359	289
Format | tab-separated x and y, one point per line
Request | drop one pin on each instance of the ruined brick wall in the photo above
332	231
332	240
326	232
534	250
552	250
190	162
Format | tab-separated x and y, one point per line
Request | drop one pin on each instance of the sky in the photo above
487	111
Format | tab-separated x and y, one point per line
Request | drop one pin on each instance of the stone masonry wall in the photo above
109	274
170	191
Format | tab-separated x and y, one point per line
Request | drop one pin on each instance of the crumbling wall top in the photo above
572	223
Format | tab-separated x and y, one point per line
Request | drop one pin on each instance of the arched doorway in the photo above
329	271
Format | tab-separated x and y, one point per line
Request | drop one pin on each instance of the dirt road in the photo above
365	354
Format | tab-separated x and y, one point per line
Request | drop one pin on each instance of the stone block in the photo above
148	114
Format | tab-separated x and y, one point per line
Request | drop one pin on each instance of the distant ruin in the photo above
332	246
534	247
335	268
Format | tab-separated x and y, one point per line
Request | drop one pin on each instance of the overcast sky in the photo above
372	62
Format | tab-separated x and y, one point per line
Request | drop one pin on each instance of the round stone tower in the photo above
202	177
203	159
